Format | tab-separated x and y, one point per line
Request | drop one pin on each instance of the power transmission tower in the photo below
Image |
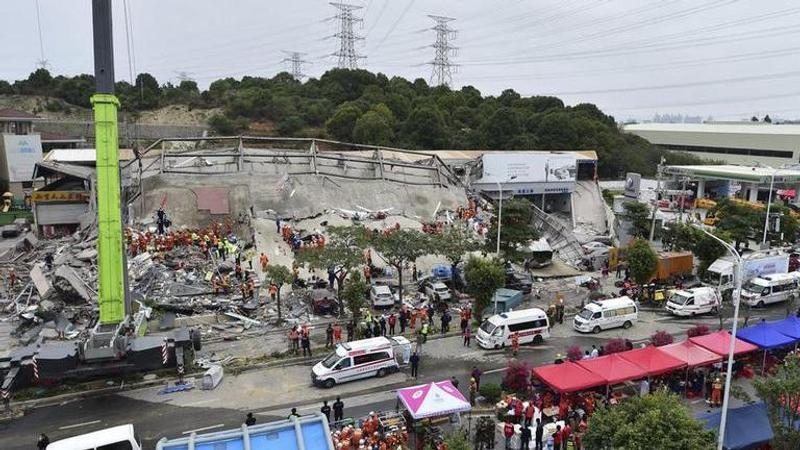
182	75
42	63
348	58
296	61
443	69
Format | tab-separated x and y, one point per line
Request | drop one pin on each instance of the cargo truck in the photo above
720	273
671	264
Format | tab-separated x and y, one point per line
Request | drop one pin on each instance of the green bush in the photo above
491	392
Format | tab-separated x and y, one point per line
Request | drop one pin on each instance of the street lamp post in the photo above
500	213
769	202
737	291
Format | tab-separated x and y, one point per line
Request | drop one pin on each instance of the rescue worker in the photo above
264	261
515	343
294	339
329	336
337	333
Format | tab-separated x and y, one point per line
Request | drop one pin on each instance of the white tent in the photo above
434	399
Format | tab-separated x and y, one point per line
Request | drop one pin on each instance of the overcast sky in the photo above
633	58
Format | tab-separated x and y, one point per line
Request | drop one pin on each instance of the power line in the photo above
396	22
128	41
348	57
442	74
296	62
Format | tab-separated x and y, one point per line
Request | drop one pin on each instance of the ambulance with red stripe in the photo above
531	324
374	357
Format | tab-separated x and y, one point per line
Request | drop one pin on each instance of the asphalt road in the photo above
154	420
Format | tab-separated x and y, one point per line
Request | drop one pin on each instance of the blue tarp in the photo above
765	336
747	427
789	326
313	433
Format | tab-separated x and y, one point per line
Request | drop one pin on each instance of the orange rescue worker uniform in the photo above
515	342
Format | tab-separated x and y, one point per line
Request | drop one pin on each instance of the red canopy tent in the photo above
690	353
613	368
567	377
653	361
720	343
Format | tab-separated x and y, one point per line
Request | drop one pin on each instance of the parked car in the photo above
595	247
10	230
519	282
381	296
436	290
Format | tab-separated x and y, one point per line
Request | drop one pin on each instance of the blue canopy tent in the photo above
304	433
765	336
789	326
747	427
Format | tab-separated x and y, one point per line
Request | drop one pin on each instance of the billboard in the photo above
22	152
528	168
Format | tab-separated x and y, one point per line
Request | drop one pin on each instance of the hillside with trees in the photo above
363	107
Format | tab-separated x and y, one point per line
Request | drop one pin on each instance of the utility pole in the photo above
655	204
442	74
296	61
348	57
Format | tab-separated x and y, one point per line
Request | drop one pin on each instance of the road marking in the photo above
502	369
219	425
67	427
202	402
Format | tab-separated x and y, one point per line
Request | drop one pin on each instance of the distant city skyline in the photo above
726	59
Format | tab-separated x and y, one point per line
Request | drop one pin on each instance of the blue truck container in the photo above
506	299
304	433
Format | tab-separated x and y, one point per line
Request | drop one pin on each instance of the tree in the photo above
289	126
454	243
501	128
425	128
781	393
224	126
637	214
574	353
642	260
697	330
458	441
615	346
373	128
354	294
340	125
401	247
517	230
655	421
483	277
343	252
708	249
767	119
517	377
279	275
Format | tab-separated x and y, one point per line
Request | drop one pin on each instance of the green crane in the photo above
112	272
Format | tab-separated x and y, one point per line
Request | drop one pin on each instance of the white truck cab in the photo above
121	437
768	289
374	357
691	302
531	324
604	314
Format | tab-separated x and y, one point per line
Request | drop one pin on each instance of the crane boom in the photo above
110	250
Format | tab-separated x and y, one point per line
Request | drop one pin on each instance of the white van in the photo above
691	302
531	324
604	314
768	289
374	357
120	437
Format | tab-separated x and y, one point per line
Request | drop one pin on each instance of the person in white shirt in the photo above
594	353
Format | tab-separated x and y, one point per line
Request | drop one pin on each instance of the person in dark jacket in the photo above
525	439
305	342
414	360
326	410
338	410
250	420
539	436
43	442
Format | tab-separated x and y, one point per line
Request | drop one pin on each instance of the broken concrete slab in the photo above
87	255
70	285
43	286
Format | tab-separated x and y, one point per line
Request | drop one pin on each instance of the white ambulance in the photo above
374	357
531	324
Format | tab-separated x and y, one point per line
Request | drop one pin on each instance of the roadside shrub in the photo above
574	353
615	346
697	330
660	338
517	377
490	391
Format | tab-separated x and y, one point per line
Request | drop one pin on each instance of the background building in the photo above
731	143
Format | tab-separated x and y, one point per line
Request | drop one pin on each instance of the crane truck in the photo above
117	344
